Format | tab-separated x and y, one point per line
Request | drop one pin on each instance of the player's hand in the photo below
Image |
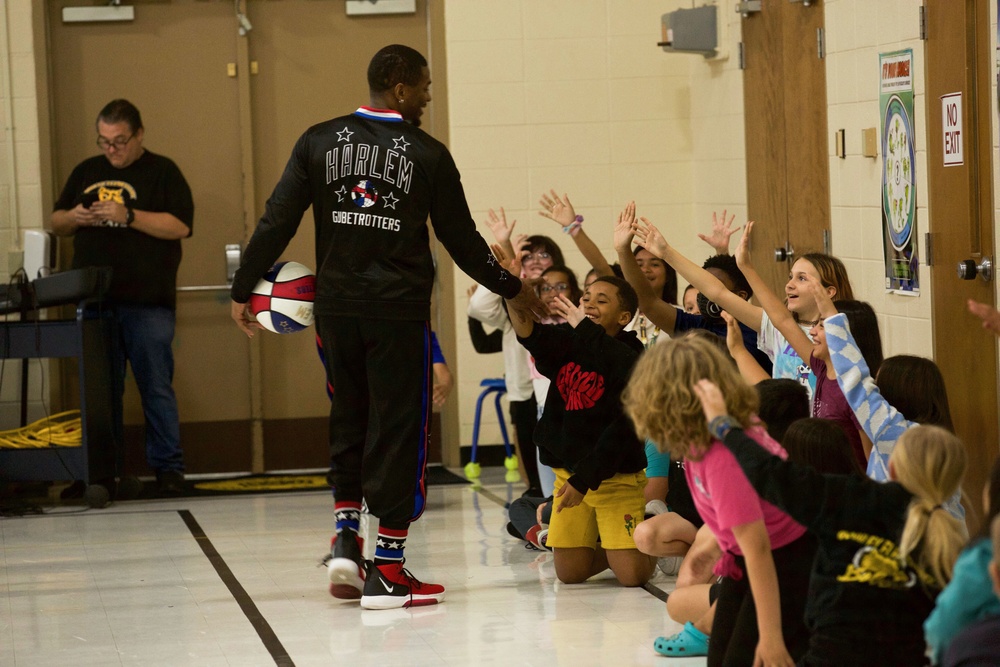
443	383
722	230
713	403
244	320
567	496
539	512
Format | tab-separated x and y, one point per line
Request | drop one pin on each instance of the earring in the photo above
400	100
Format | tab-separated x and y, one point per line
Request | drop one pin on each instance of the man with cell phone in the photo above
128	209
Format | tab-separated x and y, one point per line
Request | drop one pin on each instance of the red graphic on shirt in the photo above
579	389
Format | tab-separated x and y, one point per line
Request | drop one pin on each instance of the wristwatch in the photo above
129	216
720	426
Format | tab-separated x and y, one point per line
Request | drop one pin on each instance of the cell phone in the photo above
89	198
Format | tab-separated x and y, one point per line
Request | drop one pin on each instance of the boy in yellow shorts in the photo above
585	436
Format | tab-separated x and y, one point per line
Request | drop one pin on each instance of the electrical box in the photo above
691	31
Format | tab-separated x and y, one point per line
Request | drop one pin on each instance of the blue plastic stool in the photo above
498	387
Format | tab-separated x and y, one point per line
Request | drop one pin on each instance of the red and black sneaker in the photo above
345	566
392	586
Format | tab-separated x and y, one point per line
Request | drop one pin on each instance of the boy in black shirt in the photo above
584	434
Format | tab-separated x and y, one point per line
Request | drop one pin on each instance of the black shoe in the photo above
345	566
169	483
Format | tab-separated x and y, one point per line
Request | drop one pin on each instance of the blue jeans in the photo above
145	336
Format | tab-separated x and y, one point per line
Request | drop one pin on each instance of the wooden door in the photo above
171	62
784	98
961	222
311	61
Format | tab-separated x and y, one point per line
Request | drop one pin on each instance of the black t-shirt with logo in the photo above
145	268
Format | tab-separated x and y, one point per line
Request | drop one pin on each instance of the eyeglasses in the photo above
118	143
540	256
558	287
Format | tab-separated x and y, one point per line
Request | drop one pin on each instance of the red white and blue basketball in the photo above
283	299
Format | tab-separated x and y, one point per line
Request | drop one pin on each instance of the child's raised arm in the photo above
521	319
658	311
649	237
560	210
773	306
749	368
722	231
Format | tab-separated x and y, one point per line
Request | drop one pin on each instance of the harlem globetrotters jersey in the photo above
372	181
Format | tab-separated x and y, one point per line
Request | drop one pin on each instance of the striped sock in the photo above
390	545
347	513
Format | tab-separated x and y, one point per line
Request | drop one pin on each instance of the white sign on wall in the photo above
951	121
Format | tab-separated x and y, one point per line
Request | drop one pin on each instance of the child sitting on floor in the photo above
756	620
885	549
584	435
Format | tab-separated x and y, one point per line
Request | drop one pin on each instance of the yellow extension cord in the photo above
59	430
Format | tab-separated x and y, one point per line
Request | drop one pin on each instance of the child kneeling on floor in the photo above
584	435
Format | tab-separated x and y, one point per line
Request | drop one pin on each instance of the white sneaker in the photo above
655	507
669	565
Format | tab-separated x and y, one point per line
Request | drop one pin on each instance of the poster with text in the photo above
899	197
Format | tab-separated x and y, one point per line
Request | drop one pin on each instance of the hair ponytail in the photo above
930	462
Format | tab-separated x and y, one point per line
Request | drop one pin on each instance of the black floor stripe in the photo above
257	620
649	588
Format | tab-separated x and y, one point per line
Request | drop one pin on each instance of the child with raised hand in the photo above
787	364
907	392
665	316
537	253
748	628
828	400
885	550
584	435
969	597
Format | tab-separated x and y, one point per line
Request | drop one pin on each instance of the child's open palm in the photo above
567	310
625	227
650	238
743	249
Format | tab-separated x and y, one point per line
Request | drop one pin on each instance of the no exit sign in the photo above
951	120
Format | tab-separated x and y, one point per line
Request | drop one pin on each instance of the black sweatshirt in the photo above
372	180
583	427
863	608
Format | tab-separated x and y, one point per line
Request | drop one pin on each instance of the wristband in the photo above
576	224
721	426
129	216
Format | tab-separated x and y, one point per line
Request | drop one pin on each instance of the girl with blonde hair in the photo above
764	627
885	549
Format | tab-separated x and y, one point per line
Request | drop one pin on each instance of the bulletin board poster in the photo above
899	197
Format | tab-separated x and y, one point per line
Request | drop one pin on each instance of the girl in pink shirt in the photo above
756	621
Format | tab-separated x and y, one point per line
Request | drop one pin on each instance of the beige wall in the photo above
575	95
21	200
857	31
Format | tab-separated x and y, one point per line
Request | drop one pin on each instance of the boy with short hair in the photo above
585	436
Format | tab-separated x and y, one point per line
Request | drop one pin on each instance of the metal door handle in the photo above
749	7
782	254
968	269
233	256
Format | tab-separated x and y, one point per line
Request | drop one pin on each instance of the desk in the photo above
89	338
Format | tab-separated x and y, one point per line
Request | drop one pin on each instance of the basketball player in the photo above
373	178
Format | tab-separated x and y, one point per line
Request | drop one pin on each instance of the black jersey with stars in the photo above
372	181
